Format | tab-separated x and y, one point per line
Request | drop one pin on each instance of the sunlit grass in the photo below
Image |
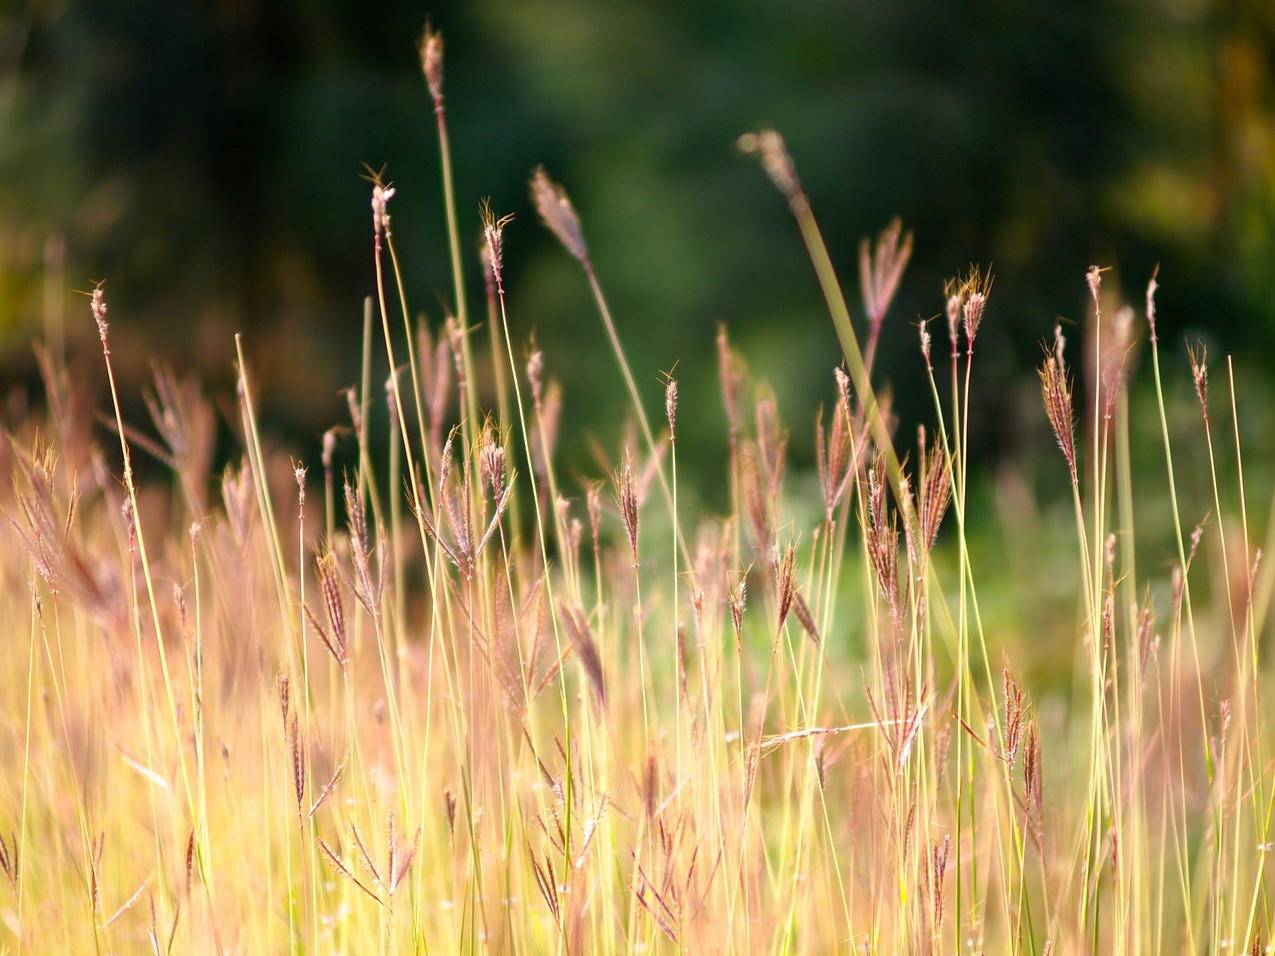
460	700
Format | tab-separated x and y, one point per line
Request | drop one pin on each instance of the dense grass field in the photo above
452	698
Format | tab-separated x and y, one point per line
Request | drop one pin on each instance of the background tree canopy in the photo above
206	158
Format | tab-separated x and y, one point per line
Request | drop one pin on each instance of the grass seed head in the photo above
431	53
768	146
1056	394
881	266
558	214
381	195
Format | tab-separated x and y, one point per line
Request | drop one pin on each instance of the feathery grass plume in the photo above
1033	785
802	610
355	411
755	500
586	649
883	541
296	750
536	378
430	48
558	214
938	872
977	286
670	406
298	474
593	507
45	528
833	457
1152	286
340	866
881	267
626	498
1093	279
738	604
456	342
772	442
1197	355
785	583
923	330
440	379
285	699
1055	391
731	372
936	493
128	904
382	193
335	637
328	787
1115	359
954	292
97	303
1012	724
494	242
367	583
491	464
769	147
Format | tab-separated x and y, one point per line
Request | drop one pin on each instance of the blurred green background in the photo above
205	157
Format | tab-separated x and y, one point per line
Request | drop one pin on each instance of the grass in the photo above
452	708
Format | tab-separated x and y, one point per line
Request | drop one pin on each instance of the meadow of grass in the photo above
451	699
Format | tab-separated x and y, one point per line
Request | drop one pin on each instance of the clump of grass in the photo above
743	732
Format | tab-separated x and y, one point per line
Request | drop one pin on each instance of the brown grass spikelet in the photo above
833	458
494	241
738	603
367	583
954	300
883	540
786	583
807	619
586	649
1056	393
881	266
335	636
626	498
1033	785
296	749
1198	355
670	406
1012	730
938	872
558	214
976	287
285	699
97	303
936	493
